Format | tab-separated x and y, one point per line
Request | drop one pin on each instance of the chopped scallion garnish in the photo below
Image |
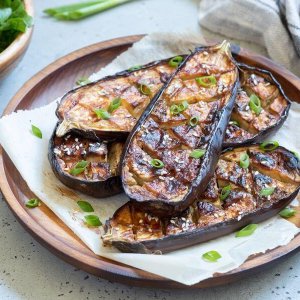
36	131
83	81
197	153
85	206
206	81
267	191
102	113
244	160
79	168
269	145
114	104
287	212
174	109
246	231
175	61
183	106
92	220
134	68
255	104
225	192
32	203
211	256
144	89
193	121
156	163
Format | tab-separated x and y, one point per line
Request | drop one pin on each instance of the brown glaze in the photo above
213	215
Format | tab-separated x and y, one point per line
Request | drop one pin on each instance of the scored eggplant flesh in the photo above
132	230
248	126
100	176
133	89
166	136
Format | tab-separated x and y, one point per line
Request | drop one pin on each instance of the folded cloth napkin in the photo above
273	24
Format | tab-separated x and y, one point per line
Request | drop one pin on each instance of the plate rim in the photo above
109	269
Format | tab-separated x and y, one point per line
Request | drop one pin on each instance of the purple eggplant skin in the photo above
264	134
97	135
98	189
191	238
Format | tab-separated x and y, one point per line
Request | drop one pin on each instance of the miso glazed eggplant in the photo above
260	109
172	151
85	165
110	107
250	184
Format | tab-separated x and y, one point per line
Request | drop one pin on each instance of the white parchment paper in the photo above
29	154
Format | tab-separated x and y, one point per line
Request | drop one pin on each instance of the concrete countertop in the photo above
29	271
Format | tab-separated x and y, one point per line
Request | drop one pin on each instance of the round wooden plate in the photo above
52	82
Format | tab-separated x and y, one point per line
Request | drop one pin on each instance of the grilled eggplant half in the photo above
249	185
260	109
110	107
90	167
172	151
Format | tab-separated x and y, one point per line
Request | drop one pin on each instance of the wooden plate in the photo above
55	80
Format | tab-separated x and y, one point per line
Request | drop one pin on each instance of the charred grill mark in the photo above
209	210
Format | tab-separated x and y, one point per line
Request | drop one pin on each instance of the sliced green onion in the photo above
287	212
225	192
267	191
92	220
114	104
79	168
255	104
102	113
183	106
236	123
194	121
32	203
134	68
85	206
83	81
36	131
144	89
244	160
206	81
197	153
269	146
246	231
174	109
156	163
211	256
175	61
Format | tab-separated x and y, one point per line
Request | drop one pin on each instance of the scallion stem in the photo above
88	10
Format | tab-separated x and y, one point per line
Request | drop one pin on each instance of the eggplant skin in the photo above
131	230
212	138
96	188
262	134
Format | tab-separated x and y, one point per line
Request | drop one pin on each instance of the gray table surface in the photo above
29	271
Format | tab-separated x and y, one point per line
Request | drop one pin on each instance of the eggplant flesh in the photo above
132	89
248	126
167	136
100	176
132	230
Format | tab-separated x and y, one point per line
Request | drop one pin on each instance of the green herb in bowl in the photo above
13	21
